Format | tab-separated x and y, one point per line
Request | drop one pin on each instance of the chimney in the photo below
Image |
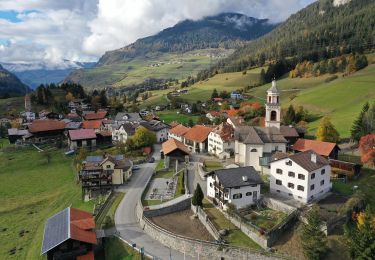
244	178
313	157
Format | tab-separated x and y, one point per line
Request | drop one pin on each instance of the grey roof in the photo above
289	131
273	88
122	117
129	128
95	158
303	159
56	230
73	125
232	177
258	135
154	125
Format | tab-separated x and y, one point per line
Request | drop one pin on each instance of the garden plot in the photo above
263	217
162	189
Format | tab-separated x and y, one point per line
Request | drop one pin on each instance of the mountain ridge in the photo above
11	85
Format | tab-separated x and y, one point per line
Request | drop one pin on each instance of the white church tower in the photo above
273	110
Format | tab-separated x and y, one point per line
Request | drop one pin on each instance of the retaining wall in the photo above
172	208
206	222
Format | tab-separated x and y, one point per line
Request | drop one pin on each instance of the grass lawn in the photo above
31	191
235	236
212	165
169	116
108	220
266	218
115	249
227	81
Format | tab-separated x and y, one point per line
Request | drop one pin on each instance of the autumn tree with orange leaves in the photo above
367	149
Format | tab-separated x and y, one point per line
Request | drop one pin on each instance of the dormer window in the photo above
288	163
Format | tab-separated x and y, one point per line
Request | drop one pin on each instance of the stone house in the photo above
81	138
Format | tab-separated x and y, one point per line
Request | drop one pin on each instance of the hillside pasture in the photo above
31	190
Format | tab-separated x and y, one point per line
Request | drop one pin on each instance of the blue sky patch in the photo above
11	15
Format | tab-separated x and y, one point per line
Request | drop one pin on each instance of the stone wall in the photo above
170	208
206	222
277	205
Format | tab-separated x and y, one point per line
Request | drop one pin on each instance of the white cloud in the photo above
85	29
121	22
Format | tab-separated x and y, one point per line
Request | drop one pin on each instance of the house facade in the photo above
159	128
238	186
221	140
123	132
254	146
177	132
81	138
196	139
304	176
100	173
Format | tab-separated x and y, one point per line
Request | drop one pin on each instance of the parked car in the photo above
152	159
136	167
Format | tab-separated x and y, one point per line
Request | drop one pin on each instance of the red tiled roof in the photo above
147	150
81	224
198	133
88	256
81	134
95	116
179	130
46	125
215	113
173	144
225	131
72	115
94	124
322	148
217	99
174	124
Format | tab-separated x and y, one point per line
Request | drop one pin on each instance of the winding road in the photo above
126	222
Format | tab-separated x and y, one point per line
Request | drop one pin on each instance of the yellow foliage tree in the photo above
327	132
69	97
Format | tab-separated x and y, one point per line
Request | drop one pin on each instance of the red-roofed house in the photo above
196	139
100	115
178	132
81	138
326	149
221	140
92	124
46	130
174	150
69	235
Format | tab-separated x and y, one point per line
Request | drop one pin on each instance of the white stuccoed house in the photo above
303	176
238	186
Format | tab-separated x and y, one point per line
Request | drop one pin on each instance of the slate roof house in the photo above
100	173
254	146
159	128
303	176
239	186
15	134
123	132
81	138
290	134
122	117
69	235
326	149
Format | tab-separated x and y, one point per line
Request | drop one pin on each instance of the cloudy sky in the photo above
82	30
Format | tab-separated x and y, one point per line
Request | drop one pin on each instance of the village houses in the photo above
221	141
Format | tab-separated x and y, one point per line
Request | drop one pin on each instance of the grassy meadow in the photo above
134	71
169	116
31	190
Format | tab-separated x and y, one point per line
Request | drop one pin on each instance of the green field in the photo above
168	65
228	81
31	191
115	249
170	116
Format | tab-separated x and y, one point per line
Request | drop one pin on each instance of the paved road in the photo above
126	221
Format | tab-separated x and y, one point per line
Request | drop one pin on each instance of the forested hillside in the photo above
10	85
317	32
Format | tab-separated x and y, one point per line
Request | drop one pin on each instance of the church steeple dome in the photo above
273	108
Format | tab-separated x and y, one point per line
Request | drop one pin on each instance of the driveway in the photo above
126	222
